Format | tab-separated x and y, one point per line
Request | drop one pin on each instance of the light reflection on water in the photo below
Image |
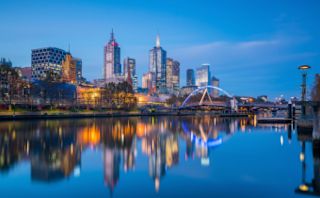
155	156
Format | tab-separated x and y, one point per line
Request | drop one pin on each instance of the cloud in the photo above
252	52
246	66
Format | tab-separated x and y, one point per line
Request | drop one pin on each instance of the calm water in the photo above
154	157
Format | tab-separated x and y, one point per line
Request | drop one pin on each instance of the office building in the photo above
47	62
129	72
216	83
203	75
172	76
78	62
190	77
157	65
112	65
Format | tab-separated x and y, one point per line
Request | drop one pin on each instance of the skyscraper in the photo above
112	65
203	75
129	68
157	65
190	77
47	61
172	76
78	62
215	82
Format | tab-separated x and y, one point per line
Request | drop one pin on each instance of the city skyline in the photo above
254	60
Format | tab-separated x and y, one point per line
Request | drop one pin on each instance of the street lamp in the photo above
303	69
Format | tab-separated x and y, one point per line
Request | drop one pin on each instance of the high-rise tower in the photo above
157	65
112	65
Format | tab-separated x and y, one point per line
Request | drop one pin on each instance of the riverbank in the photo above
65	115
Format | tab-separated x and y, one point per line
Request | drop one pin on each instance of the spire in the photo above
112	35
158	41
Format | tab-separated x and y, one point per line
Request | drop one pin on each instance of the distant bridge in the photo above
232	104
210	103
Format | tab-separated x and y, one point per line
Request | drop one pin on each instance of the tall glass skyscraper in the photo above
112	65
173	76
203	75
157	65
190	77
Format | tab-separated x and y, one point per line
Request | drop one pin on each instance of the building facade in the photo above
216	83
47	61
112	65
78	62
190	77
69	74
129	72
172	76
203	75
148	80
157	65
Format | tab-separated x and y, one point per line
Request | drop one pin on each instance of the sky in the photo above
253	47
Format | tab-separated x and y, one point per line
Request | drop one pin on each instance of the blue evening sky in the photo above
254	47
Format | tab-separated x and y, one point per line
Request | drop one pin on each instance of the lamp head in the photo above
304	67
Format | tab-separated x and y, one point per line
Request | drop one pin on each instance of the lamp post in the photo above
303	69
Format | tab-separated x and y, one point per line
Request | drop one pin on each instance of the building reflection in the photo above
162	150
54	147
118	145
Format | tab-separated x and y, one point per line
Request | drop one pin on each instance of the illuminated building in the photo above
88	94
157	65
203	75
129	68
47	61
215	82
190	77
112	65
69	74
173	76
148	80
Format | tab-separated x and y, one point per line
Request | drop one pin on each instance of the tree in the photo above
120	95
10	84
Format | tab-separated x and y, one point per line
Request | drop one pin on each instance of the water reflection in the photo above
54	148
309	137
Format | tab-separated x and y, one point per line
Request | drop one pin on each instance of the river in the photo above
187	156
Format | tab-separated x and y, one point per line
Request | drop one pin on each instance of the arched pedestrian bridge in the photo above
210	102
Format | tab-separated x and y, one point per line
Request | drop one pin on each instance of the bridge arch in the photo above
204	88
